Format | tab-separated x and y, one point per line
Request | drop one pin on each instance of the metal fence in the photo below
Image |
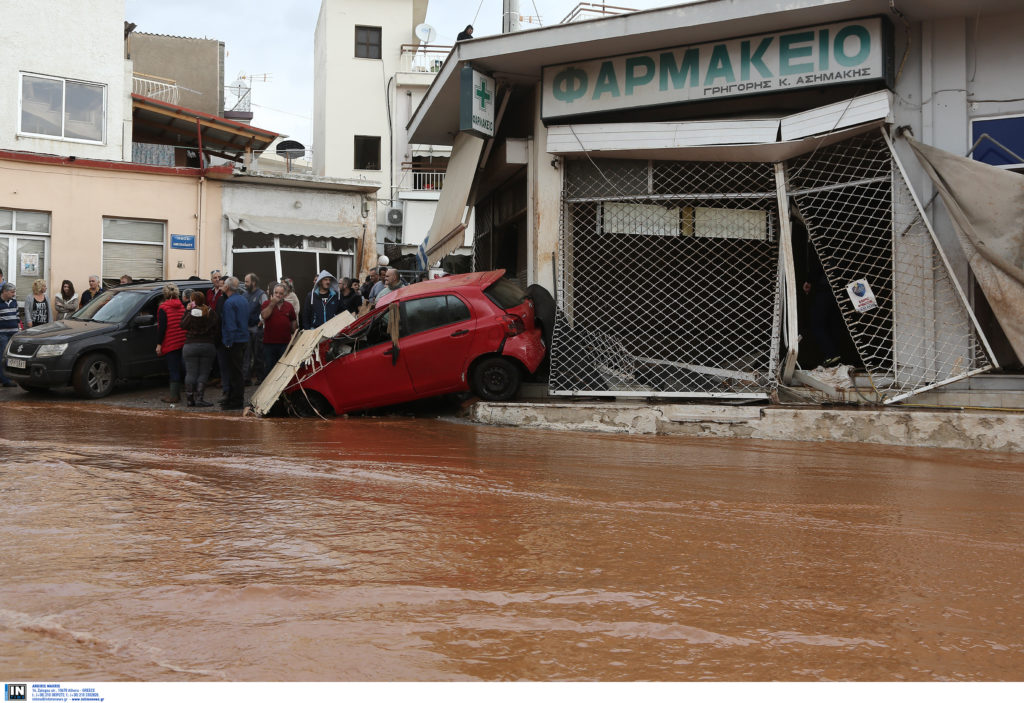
865	225
669	275
669	280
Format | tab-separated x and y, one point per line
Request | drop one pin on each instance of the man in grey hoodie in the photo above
322	304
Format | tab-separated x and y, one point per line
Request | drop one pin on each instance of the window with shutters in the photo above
133	247
367	42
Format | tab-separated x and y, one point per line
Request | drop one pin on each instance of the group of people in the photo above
38	309
236	327
239	328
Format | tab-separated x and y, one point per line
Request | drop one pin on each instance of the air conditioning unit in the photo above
395	216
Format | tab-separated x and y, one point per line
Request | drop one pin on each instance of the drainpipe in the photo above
200	187
202	159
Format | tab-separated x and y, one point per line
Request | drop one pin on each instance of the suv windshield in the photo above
505	293
112	306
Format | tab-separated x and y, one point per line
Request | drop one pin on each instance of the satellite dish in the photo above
425	33
291	149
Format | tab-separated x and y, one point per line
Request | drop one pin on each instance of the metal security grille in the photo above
668	280
864	224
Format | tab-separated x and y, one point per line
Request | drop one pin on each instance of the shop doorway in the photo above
824	339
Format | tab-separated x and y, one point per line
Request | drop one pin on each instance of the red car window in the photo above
424	314
505	293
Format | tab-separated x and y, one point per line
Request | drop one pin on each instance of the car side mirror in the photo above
142	320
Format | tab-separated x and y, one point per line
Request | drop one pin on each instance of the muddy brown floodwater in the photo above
157	546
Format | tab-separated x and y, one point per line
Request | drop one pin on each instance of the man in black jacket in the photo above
322	304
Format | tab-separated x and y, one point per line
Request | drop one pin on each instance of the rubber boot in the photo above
190	395
175	395
200	401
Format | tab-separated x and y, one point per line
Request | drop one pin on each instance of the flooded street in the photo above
158	546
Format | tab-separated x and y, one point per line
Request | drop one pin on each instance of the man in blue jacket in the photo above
8	325
235	333
322	304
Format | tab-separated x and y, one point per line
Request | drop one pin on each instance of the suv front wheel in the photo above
93	376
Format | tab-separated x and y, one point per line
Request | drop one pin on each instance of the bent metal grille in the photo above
669	275
669	280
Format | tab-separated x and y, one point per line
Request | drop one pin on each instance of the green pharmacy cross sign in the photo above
476	102
808	57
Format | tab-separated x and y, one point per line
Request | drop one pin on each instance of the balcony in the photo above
164	89
423	180
423	58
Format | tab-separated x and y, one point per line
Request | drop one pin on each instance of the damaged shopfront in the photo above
714	208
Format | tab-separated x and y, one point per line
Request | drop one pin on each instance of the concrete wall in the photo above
79	198
196	65
47	38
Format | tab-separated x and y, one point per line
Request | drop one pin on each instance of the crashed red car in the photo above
474	331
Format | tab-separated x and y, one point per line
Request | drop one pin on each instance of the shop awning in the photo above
157	122
447	230
293	226
775	139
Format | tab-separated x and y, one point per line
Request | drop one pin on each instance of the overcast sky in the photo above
276	38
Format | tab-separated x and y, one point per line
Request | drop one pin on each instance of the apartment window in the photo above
367	42
367	151
62	108
133	247
24	247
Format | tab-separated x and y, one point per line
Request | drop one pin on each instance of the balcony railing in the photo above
413	179
423	58
157	88
593	10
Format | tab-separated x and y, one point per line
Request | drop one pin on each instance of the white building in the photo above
65	91
370	73
687	166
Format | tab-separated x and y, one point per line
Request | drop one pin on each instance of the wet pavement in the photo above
165	545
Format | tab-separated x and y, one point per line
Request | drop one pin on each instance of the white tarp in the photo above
303	347
986	205
446	230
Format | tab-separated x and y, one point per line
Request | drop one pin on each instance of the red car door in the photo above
366	377
437	334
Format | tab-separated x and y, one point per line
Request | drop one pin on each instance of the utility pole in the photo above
510	16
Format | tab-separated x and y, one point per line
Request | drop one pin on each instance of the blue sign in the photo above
183	241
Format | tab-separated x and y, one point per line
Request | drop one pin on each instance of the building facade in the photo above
719	190
370	73
66	95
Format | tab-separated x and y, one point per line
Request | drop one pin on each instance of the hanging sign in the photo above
844	52
861	295
476	102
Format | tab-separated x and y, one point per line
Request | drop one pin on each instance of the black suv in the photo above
114	337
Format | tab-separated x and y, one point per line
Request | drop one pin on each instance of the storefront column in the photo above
544	196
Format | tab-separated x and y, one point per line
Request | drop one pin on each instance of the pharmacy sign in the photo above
476	102
844	52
